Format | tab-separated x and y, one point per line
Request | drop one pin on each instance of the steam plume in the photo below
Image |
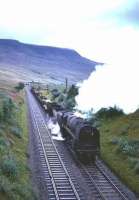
110	85
115	83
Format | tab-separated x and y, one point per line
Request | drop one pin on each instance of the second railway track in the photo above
100	183
103	184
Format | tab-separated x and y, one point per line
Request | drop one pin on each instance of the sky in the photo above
92	27
102	30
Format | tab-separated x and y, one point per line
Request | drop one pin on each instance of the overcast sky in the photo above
98	29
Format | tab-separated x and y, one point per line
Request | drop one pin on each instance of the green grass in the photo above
14	171
118	138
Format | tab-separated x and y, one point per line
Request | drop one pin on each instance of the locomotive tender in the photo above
83	138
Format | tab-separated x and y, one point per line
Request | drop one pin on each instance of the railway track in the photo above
100	183
60	185
58	175
124	193
105	188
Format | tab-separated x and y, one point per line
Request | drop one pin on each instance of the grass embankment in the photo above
120	147
14	172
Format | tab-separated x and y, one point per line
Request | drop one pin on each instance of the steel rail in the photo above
97	169
93	181
47	162
39	114
110	181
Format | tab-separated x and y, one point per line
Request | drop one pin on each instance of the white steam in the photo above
54	128
116	83
110	85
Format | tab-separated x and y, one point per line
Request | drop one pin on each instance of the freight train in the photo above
80	135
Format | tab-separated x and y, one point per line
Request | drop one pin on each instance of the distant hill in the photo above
43	63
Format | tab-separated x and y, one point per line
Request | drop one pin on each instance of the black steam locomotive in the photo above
81	136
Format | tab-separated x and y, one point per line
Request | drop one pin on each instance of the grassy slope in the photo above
20	149
18	188
126	127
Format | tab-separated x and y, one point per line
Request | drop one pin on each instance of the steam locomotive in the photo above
83	138
80	135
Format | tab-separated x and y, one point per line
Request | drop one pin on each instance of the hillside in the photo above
36	62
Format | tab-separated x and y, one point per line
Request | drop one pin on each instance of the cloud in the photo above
127	14
89	26
52	15
132	15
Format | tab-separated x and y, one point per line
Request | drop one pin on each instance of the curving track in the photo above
59	183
